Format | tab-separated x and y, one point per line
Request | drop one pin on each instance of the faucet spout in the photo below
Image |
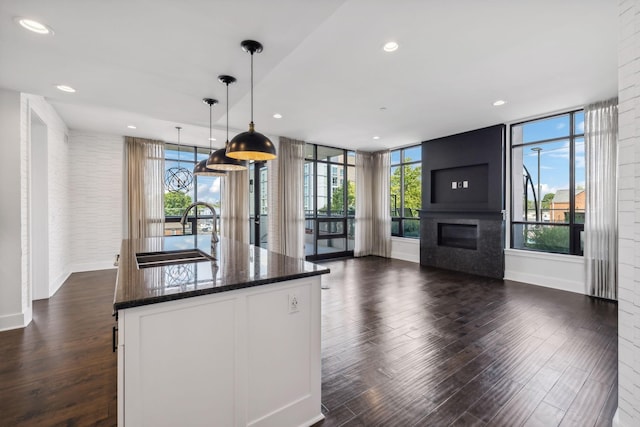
214	232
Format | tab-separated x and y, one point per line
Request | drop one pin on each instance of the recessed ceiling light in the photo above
34	26
376	137
277	116
131	127
499	102
65	88
390	46
212	139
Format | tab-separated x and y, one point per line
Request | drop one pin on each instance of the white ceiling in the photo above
150	62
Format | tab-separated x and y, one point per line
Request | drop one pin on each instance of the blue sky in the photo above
554	156
207	187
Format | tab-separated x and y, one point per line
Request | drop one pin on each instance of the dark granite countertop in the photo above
237	266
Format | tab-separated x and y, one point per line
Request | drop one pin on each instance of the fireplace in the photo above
463	236
466	242
461	221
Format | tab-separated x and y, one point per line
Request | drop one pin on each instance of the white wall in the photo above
628	413
405	249
13	312
564	272
16	232
96	175
59	191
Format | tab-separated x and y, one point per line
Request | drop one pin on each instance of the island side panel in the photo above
284	355
197	360
179	363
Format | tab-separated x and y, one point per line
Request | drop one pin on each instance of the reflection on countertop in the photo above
238	265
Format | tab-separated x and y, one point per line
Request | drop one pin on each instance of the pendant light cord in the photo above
227	112
251	87
210	119
179	146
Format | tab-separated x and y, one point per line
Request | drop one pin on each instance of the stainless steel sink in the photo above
156	259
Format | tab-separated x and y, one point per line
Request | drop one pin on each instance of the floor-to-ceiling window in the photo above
406	191
548	184
329	201
182	188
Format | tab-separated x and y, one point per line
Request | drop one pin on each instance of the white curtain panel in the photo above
601	224
373	214
286	204
234	221
145	187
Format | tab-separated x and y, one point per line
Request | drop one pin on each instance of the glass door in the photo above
258	187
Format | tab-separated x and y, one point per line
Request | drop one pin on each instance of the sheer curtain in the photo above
234	221
601	224
373	214
145	187
286	204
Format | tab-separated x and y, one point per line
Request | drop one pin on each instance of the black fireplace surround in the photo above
461	224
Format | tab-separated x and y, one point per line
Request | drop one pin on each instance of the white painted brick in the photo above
97	173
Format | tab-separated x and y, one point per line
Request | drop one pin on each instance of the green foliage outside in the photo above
546	200
412	190
337	199
547	238
175	203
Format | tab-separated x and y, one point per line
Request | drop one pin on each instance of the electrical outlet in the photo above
293	303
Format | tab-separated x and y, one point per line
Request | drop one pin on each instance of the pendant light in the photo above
177	178
218	159
201	168
251	145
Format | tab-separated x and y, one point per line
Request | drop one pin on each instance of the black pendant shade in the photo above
218	158
202	170
251	145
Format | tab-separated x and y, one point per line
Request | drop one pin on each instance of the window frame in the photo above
576	229
345	218
400	219
191	161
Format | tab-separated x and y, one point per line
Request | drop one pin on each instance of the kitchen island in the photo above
228	339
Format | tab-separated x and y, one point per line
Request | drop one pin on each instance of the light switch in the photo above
454	185
465	184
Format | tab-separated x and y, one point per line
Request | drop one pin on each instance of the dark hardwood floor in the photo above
60	370
406	345
402	345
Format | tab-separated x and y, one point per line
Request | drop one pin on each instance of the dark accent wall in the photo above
475	157
462	200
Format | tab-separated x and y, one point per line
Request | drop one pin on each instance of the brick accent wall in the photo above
629	214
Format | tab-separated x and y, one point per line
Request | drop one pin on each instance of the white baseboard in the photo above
92	266
546	281
58	282
556	271
405	249
15	321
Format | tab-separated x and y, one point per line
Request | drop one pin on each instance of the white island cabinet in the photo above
246	356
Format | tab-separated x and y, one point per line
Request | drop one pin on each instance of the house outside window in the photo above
548	184
201	189
406	191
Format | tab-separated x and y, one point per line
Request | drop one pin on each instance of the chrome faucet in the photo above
214	231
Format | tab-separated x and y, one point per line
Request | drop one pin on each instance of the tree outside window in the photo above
406	191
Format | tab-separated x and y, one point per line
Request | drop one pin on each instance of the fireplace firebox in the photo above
463	236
